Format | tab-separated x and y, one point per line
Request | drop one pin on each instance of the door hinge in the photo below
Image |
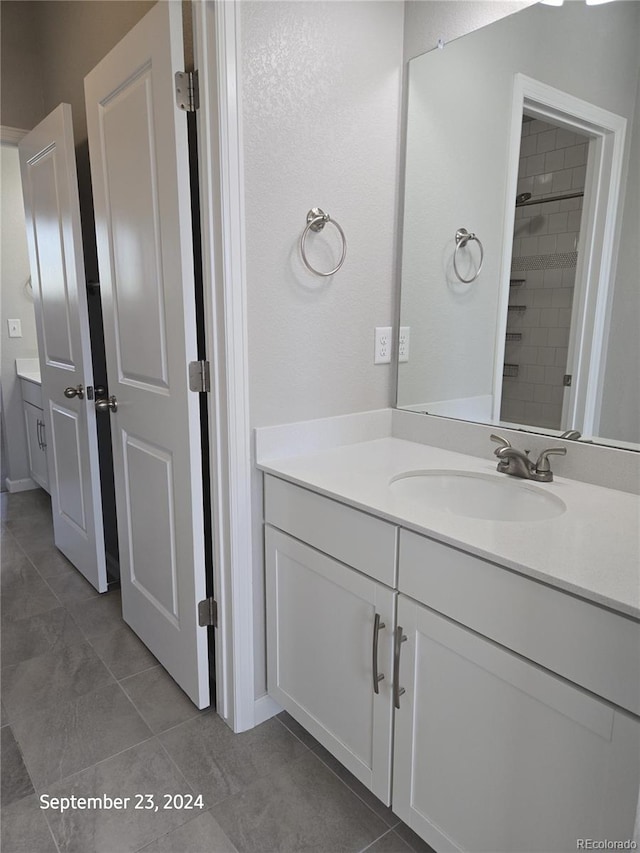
208	612
566	381
199	376
187	97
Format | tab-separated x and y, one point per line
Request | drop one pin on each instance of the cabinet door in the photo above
321	631
493	753
36	443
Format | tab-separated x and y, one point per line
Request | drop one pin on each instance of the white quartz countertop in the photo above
591	550
29	369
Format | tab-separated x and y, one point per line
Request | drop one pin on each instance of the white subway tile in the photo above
562	180
576	155
554	160
558	223
535	165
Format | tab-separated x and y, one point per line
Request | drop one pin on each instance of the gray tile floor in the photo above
87	711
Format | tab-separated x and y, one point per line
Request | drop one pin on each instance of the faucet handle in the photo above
503	442
542	465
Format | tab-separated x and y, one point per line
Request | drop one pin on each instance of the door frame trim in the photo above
221	176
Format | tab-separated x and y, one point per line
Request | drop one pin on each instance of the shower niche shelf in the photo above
517	282
512	337
510	371
517	309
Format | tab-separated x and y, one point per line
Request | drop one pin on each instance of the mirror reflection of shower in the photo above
551	181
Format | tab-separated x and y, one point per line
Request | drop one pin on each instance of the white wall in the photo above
15	304
459	161
321	90
621	395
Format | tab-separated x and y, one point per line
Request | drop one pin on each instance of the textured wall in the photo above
16	304
321	101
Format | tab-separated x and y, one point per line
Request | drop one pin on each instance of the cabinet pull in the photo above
38	433
43	443
377	677
397	690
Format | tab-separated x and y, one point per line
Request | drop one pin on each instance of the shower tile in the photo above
160	701
562	180
575	155
74	735
554	160
565	138
15	781
200	834
535	165
548	244
142	769
24	828
218	763
528	146
563	297
549	317
122	651
546	141
558	223
578	177
574	220
297	808
562	354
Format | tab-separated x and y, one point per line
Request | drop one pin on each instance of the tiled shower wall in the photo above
545	242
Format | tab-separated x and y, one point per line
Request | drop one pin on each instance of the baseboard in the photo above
25	485
264	708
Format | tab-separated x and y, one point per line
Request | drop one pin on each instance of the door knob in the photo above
72	392
106	405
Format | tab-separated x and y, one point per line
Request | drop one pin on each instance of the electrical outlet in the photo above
15	328
403	343
382	354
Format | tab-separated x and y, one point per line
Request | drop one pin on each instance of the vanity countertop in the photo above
29	369
591	550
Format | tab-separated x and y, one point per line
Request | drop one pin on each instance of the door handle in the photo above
377	677
107	405
397	690
72	392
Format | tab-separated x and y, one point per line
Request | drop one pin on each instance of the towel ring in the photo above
462	238
316	220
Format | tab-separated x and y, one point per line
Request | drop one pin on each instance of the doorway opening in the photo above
549	201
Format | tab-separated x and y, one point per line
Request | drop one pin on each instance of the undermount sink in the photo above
494	497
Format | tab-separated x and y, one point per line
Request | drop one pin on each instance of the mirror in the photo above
543	106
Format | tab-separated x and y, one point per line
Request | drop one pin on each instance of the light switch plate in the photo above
15	328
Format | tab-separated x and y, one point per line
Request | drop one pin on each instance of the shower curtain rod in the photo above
548	198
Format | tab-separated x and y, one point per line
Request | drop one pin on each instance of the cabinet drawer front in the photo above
360	540
31	393
323	650
587	644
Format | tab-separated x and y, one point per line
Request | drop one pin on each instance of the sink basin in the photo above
488	496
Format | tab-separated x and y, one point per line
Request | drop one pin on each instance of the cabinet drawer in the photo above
360	540
584	643
31	393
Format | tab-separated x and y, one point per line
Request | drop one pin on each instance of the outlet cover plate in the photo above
382	353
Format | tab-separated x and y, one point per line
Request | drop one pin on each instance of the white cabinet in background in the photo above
493	753
329	647
35	432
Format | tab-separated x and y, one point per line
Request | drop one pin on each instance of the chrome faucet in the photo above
517	463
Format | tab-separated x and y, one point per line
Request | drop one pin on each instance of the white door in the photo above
50	188
140	174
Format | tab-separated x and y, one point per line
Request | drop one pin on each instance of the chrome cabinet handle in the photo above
401	637
38	425
377	677
107	405
41	433
70	392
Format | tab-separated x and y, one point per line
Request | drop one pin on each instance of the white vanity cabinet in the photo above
330	628
516	725
35	432
492	751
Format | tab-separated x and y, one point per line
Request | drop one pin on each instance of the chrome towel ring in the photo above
316	220
462	238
